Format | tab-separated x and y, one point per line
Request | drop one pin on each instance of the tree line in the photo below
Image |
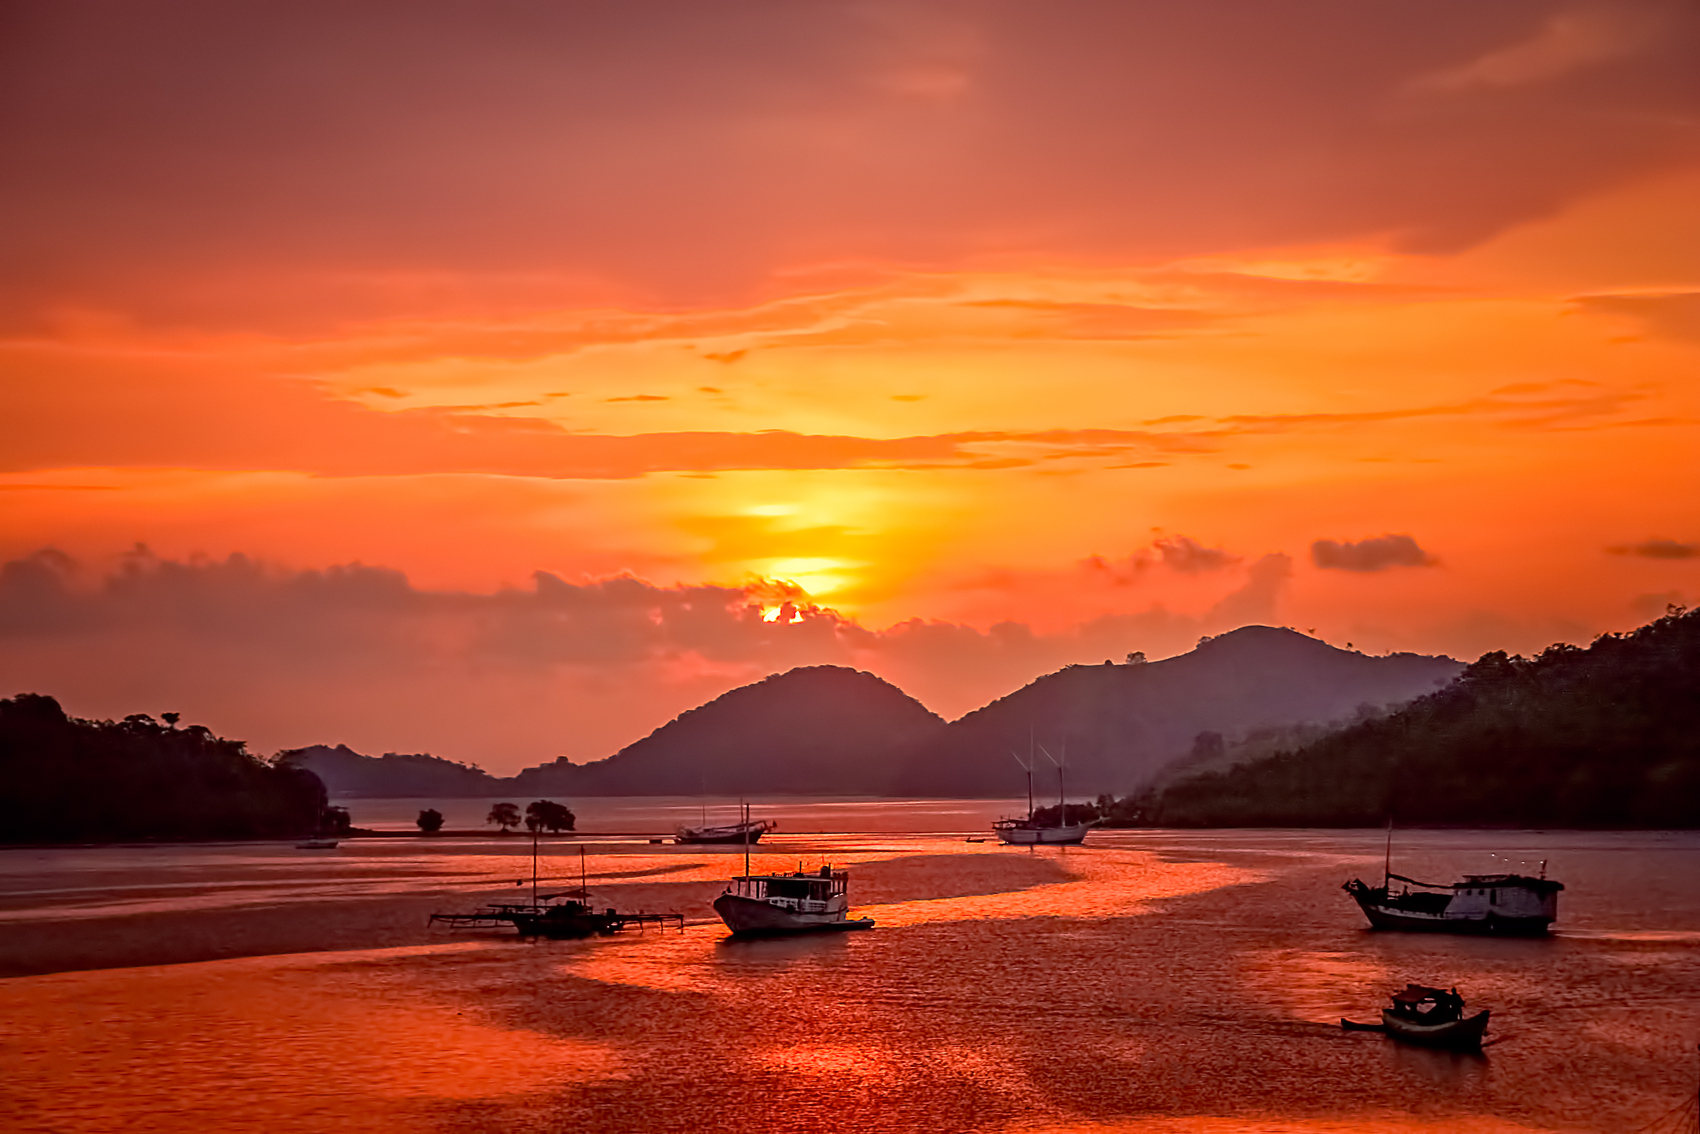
1607	736
63	779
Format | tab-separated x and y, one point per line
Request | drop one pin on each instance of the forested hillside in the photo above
69	780
1607	736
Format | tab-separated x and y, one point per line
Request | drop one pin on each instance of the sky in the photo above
499	379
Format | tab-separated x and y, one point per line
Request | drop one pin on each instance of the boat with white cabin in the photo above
1509	903
762	904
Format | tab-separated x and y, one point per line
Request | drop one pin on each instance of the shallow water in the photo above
1149	981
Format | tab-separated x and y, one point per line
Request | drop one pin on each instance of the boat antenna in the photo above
746	811
534	831
583	882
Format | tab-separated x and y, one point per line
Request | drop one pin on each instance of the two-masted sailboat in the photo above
1030	832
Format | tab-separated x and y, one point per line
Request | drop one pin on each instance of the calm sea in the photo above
1144	982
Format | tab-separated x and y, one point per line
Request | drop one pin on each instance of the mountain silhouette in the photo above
1118	725
1596	737
349	775
829	730
815	730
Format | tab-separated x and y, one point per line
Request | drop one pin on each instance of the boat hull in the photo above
736	833
1404	921
1071	835
568	928
1465	1034
747	917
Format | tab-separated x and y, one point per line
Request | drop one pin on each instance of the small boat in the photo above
1031	832
565	916
559	918
1433	1017
316	844
765	904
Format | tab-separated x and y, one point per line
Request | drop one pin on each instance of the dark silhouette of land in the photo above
64	780
1122	724
819	730
828	730
1607	736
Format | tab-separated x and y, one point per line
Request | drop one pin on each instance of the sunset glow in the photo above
955	343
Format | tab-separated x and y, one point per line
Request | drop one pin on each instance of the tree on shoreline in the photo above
430	821
547	815
504	816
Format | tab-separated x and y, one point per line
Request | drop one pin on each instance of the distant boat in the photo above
1030	831
1510	904
748	830
316	844
1433	1017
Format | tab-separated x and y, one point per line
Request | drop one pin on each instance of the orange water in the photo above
1150	982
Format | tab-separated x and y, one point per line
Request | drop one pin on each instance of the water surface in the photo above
1149	981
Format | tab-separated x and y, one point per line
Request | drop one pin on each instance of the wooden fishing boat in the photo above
1507	904
755	905
764	904
1432	1017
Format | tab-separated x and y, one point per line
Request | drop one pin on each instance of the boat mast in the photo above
1062	793
534	863
746	813
583	886
1030	759
1387	858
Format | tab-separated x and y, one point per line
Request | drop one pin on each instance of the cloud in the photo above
1570	40
1182	553
201	164
1674	315
357	654
1374	554
1658	549
1258	601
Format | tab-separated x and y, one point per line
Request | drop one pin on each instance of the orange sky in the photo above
996	335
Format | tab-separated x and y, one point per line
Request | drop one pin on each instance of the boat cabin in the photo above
804	892
1428	1005
1504	895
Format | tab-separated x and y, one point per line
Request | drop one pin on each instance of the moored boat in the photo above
1033	831
1512	904
762	904
749	830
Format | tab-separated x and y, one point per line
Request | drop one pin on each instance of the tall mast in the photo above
1062	794
583	884
1387	858
1030	773
746	812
